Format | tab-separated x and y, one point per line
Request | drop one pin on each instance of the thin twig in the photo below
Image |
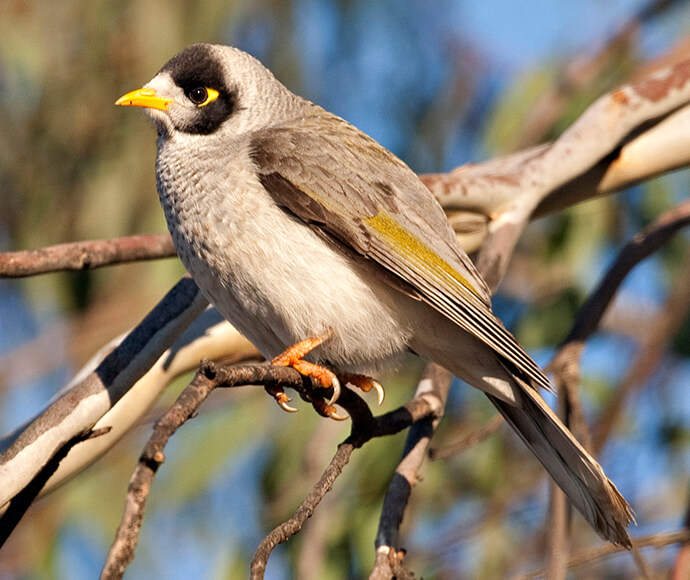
364	427
665	327
210	376
681	567
558	519
565	365
293	525
207	378
474	438
589	557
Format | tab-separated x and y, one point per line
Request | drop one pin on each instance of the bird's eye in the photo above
202	96
198	95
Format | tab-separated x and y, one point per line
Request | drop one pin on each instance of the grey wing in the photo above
340	181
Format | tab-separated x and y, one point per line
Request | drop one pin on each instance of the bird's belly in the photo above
278	282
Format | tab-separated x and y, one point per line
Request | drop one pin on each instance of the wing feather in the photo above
342	182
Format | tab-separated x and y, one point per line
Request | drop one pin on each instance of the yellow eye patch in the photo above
202	96
212	96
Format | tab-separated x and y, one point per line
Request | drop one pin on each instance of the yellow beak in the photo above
144	98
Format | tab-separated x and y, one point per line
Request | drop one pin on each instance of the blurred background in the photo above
441	84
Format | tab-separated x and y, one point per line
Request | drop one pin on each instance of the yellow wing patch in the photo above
410	246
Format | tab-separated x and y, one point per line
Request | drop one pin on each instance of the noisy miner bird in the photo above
315	241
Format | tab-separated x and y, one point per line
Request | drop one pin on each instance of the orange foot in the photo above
293	357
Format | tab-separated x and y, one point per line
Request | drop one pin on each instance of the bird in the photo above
330	255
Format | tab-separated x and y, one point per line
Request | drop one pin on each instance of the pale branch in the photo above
17	506
433	387
599	153
208	336
580	74
86	255
84	403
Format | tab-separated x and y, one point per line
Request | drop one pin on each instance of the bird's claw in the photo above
335	415
327	410
365	384
281	398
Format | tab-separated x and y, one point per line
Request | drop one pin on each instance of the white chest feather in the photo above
268	273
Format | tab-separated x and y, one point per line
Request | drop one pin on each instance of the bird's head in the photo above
208	89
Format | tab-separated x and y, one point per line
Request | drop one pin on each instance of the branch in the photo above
82	405
423	407
364	427
566	363
626	136
667	324
681	566
474	438
206	379
86	255
588	557
305	510
433	387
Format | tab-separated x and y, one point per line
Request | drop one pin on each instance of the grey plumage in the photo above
293	222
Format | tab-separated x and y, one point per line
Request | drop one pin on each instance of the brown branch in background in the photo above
589	557
290	527
665	327
643	244
86	255
565	365
559	512
474	438
681	567
582	73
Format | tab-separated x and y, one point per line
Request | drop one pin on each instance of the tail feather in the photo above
574	470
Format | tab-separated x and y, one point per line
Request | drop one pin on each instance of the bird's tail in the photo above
574	470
